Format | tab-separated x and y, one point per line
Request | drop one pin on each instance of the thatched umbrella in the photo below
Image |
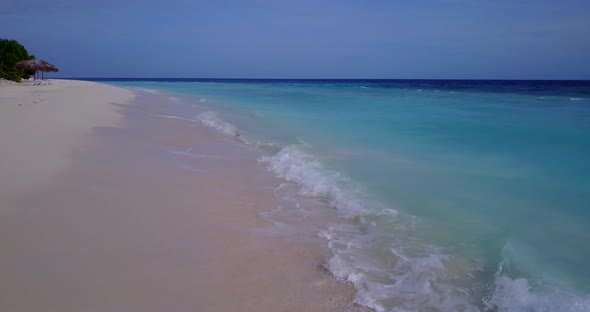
30	65
48	68
36	65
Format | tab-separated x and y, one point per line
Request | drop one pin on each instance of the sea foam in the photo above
519	294
294	165
210	119
151	91
407	278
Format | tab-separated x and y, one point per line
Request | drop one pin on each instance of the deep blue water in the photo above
470	195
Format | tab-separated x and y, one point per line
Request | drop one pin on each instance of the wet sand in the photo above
135	223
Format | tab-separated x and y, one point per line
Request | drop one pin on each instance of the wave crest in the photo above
294	165
146	90
211	120
518	294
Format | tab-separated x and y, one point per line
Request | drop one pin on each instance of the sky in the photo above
419	39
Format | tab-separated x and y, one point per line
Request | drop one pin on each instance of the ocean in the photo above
450	195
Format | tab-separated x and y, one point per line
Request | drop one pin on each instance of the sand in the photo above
40	125
108	212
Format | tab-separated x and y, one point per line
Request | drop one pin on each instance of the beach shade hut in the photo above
35	66
31	66
48	68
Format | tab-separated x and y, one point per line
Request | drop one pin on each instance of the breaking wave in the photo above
294	165
211	120
521	295
518	294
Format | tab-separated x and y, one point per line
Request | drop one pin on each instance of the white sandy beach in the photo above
40	125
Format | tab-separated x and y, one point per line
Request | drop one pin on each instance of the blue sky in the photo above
473	39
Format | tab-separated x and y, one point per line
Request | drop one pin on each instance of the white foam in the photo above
294	165
152	91
171	117
518	295
576	99
210	119
399	281
267	147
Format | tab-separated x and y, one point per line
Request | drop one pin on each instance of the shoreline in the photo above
157	214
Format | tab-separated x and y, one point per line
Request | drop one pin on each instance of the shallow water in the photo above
453	195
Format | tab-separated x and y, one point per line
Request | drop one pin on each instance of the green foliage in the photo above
11	52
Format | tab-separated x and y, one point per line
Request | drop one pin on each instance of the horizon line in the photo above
350	79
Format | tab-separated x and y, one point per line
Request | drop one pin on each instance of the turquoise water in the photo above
454	195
